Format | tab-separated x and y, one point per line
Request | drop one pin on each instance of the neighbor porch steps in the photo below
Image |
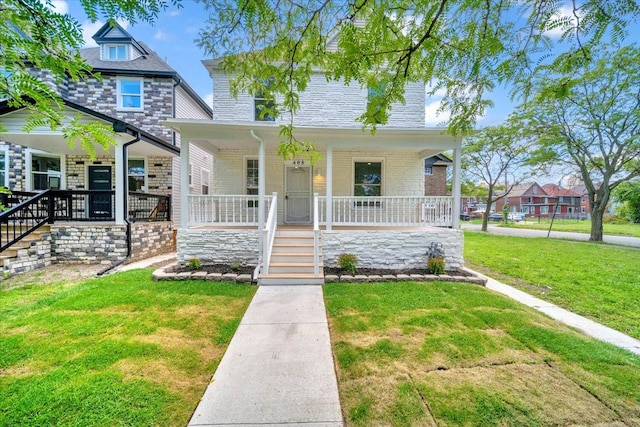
292	260
22	244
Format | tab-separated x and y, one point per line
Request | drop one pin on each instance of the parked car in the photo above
512	216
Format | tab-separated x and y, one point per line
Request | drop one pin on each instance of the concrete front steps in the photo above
292	260
23	244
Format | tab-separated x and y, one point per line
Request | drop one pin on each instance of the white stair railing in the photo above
269	234
316	236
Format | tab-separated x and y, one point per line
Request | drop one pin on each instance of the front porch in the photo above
363	182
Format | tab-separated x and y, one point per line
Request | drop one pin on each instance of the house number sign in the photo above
297	162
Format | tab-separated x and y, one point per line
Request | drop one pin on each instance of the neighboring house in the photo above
363	182
535	201
435	175
136	180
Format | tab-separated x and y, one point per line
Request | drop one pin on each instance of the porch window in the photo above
204	176
136	174
367	180
190	174
45	172
130	94
251	181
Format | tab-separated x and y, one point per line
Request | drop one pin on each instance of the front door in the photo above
100	202
297	195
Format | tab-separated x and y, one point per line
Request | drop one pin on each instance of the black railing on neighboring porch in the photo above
25	212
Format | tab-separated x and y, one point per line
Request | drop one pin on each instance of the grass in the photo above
452	354
119	350
577	226
597	281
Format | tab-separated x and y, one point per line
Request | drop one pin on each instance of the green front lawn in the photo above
119	350
453	354
597	281
576	226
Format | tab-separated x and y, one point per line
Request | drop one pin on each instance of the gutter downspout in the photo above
125	202
173	107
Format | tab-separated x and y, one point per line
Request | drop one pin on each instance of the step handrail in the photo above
24	218
269	233
316	236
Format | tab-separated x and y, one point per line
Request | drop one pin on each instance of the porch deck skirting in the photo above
388	248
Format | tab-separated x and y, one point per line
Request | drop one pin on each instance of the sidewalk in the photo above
589	327
278	369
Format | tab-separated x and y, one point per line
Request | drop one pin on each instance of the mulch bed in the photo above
217	268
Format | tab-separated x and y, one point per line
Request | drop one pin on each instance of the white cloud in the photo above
432	117
90	28
563	13
208	98
161	35
174	12
60	6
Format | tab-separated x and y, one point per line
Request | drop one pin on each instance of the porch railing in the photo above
24	218
316	236
389	211
226	209
149	207
269	234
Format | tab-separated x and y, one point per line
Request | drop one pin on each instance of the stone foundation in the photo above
88	244
219	246
392	249
150	239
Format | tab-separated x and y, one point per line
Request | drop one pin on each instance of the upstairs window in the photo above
264	108
130	95
116	52
374	92
367	179
428	170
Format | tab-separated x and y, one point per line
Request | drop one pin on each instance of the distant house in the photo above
535	201
120	203
435	175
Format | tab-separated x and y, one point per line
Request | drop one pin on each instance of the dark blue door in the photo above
100	197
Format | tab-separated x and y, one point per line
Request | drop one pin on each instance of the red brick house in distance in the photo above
535	201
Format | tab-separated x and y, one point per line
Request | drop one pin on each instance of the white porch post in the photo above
184	181
262	177
329	189
457	172
121	183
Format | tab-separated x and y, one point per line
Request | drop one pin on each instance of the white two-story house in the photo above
365	196
122	202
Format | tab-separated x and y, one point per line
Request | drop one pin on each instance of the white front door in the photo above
297	195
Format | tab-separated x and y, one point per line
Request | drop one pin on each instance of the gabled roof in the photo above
556	190
520	189
438	160
116	34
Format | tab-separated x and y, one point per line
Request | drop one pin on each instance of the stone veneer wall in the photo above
88	244
219	246
392	249
151	238
38	255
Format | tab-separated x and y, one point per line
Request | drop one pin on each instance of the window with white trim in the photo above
367	178
4	166
190	174
136	174
130	93
251	180
116	52
428	170
45	172
544	210
204	181
263	107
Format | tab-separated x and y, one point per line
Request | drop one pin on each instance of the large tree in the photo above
628	195
34	36
495	156
464	47
587	117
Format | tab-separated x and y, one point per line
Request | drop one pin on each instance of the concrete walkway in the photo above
278	369
525	232
589	327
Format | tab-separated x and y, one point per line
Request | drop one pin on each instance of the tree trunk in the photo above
485	219
596	222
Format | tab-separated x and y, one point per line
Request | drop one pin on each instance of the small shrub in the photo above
235	265
435	265
194	263
348	263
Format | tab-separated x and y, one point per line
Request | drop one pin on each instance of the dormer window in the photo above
116	52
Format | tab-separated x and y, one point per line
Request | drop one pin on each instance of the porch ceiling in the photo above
212	136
